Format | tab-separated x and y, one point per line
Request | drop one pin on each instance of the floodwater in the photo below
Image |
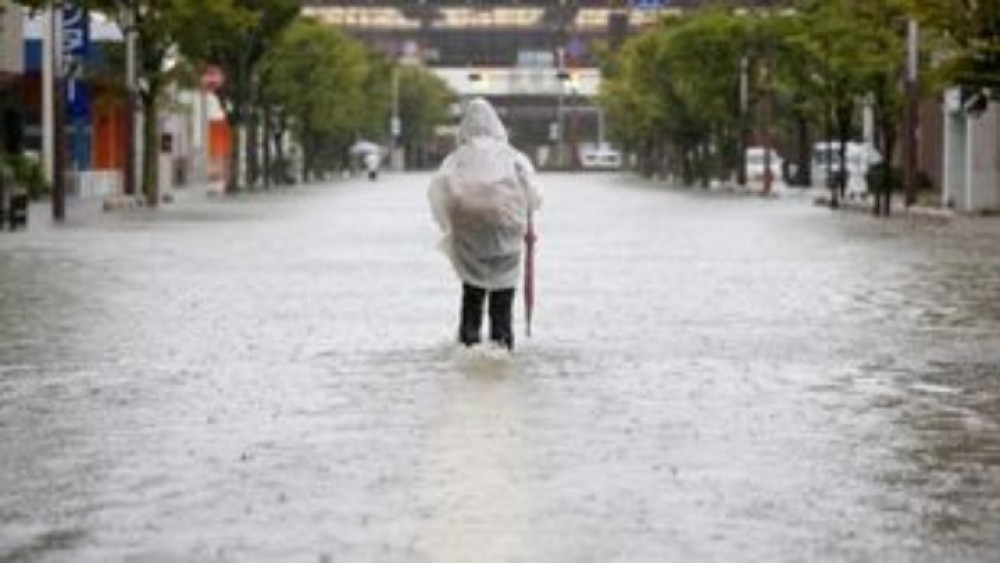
711	378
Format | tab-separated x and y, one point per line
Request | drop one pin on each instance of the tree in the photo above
882	25
234	35
424	101
629	101
672	94
971	42
326	115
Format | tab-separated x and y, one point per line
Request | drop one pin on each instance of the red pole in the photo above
529	274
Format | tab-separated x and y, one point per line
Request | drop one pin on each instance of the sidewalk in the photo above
899	208
90	211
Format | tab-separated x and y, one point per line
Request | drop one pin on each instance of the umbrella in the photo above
365	147
529	274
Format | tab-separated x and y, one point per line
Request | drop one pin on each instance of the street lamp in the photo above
395	125
562	75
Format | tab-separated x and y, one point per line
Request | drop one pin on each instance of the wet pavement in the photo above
711	378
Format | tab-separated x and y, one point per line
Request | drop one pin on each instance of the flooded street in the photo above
710	378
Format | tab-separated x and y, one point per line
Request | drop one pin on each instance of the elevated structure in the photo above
535	60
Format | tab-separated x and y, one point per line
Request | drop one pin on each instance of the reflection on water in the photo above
273	378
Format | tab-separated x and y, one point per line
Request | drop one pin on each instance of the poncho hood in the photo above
481	120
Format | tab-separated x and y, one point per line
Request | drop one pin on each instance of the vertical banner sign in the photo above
75	48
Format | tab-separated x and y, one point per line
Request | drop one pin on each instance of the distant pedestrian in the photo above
481	198
372	162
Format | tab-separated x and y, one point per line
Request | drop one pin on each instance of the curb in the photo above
914	212
121	202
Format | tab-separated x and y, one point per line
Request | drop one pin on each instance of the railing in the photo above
497	81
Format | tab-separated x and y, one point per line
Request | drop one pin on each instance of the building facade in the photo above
971	155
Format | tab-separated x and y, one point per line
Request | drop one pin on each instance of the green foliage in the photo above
26	173
318	76
678	84
235	35
675	90
424	101
968	35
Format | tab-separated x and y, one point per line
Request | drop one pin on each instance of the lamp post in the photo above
55	108
129	174
395	125
562	76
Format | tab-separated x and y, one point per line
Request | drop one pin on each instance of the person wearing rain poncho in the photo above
481	198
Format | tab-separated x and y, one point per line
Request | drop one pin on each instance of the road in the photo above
272	377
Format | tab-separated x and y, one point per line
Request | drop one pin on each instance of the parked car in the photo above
758	169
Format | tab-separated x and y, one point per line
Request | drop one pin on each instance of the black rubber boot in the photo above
472	315
502	317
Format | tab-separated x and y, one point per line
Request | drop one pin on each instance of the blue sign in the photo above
75	49
649	4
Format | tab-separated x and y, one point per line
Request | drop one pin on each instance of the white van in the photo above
825	165
600	157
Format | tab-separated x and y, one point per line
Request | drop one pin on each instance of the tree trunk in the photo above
646	159
662	162
279	156
233	172
266	136
844	115
889	142
307	157
688	171
150	147
804	154
252	149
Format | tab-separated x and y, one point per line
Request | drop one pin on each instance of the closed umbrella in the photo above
529	273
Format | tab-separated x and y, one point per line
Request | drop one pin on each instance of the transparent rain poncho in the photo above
481	198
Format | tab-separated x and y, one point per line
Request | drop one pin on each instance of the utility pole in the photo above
48	66
128	174
912	109
58	113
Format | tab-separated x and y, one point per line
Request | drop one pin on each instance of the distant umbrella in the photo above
529	273
365	147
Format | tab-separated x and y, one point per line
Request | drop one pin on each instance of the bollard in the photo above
18	212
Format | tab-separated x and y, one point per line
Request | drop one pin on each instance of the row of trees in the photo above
284	74
689	94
